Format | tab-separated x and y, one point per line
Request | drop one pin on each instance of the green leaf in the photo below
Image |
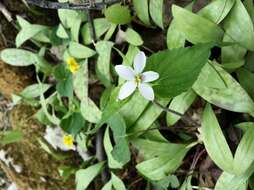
141	7
246	79
34	90
178	68
9	137
132	110
156	11
68	17
79	51
73	124
175	38
61	32
117	182
148	117
101	25
217	10
27	31
180	104
118	14
244	155
157	168
218	87
112	163
132	37
80	81
121	151
64	87
107	186
195	28
103	62
237	23
90	111
152	149
85	176
187	184
112	106
214	141
231	55
232	182
18	57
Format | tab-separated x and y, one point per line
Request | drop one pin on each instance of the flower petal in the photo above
146	91
149	76
127	89
125	72
139	62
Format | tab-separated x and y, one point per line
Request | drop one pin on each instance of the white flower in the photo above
136	79
13	186
55	137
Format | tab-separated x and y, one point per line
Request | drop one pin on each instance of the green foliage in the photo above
118	14
178	68
18	57
134	130
85	176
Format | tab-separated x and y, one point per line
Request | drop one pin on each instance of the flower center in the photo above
138	79
68	140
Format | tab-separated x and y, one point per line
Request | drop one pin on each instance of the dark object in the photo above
82	6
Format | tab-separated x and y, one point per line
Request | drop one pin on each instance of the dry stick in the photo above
100	154
183	117
82	6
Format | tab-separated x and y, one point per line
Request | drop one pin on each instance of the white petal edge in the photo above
139	62
149	76
125	72
146	91
127	89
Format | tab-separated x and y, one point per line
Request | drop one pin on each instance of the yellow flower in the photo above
68	140
72	64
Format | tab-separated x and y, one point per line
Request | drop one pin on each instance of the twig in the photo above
91	25
5	12
82	6
100	155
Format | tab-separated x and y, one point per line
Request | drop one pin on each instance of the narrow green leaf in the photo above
148	117
107	186
112	163
28	31
80	81
85	176
237	23
118	14
79	51
34	91
217	10
141	7
180	104
103	62
132	37
117	182
214	140
244	155
90	111
101	25
246	79
159	167
18	57
175	38
61	32
218	87
156	11
196	28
